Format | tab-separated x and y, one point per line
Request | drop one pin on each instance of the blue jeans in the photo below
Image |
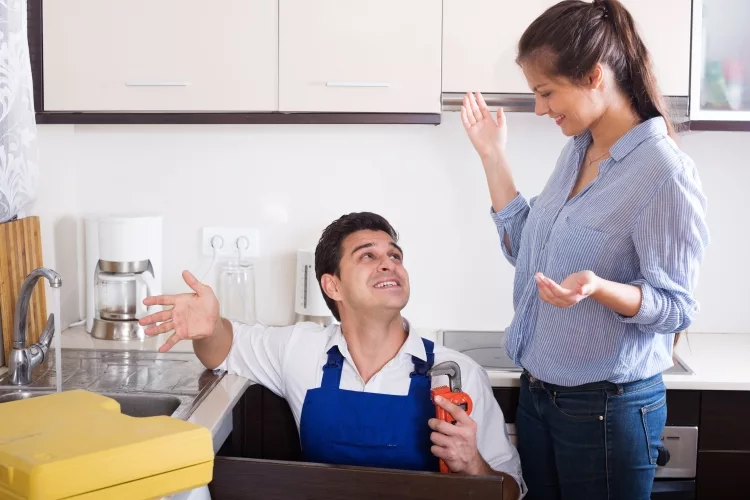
595	441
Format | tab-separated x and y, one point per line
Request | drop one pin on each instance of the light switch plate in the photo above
230	238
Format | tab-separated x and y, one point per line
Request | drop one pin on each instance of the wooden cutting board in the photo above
20	253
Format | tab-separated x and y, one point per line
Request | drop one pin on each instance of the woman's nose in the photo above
540	107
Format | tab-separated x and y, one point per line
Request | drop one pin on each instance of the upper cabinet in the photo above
360	56
720	78
160	55
480	40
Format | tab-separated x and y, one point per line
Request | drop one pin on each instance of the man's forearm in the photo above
213	350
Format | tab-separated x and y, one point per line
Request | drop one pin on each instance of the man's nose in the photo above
387	264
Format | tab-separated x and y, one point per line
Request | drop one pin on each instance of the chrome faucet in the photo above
22	359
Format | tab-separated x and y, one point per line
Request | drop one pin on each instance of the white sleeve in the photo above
493	441
258	353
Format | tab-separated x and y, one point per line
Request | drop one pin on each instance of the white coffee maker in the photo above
123	267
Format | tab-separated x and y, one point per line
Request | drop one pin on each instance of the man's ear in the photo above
331	286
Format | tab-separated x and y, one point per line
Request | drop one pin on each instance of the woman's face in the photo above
573	106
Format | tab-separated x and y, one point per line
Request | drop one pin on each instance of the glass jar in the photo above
237	292
117	296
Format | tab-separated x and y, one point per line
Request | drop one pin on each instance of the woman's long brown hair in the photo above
571	37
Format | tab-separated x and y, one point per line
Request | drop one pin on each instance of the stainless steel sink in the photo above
134	405
144	383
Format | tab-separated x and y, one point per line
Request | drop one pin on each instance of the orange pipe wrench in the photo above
452	394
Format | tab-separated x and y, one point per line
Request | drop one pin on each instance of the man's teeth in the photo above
385	284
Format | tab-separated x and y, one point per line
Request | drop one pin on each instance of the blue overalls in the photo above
371	430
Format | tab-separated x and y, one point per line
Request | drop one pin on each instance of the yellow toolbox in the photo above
77	445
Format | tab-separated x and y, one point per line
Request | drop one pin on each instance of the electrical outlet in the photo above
229	238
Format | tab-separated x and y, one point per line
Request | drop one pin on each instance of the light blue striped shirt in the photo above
642	222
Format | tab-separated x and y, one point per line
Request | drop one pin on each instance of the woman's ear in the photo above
330	285
594	78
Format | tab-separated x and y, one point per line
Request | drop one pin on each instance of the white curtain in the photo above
19	170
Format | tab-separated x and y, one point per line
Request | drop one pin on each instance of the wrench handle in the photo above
460	399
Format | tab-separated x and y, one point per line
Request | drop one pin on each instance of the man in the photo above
359	390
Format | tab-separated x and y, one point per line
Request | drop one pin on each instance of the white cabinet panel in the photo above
480	39
480	43
359	56
664	26
160	55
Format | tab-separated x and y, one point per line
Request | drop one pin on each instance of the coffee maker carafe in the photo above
123	267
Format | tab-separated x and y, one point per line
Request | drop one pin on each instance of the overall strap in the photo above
332	369
422	367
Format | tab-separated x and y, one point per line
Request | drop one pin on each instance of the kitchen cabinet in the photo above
359	56
724	449
720	74
160	55
264	429
480	40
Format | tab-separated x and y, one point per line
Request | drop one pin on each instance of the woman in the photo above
607	256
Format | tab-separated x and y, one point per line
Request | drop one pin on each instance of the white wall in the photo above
290	181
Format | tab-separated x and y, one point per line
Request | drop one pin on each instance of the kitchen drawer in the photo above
160	55
507	398
248	479
721	475
360	56
724	421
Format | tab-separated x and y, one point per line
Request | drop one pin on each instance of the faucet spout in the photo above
22	359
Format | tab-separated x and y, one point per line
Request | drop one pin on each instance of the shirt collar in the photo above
633	138
413	346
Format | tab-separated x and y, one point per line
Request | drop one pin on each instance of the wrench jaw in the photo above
451	369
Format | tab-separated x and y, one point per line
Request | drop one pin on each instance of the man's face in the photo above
372	279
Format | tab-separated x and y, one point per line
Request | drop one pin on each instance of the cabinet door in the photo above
359	56
720	71
665	28
480	42
160	55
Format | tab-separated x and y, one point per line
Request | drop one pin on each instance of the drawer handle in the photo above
358	84
156	84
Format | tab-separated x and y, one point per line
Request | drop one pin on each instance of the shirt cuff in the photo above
648	312
224	366
513	208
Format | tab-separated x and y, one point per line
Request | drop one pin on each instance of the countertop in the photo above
719	362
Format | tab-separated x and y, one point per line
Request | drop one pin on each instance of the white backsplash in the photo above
290	181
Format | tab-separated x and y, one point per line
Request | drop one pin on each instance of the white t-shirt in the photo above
289	361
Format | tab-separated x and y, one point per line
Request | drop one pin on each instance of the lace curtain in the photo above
19	169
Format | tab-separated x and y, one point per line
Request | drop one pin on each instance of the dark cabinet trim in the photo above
720	126
275	118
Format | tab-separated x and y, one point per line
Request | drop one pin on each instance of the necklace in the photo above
599	158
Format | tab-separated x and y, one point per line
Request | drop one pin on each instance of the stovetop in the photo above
487	349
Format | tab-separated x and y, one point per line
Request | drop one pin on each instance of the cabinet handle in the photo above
156	84
358	84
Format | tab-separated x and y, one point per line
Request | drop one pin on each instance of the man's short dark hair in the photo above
328	251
